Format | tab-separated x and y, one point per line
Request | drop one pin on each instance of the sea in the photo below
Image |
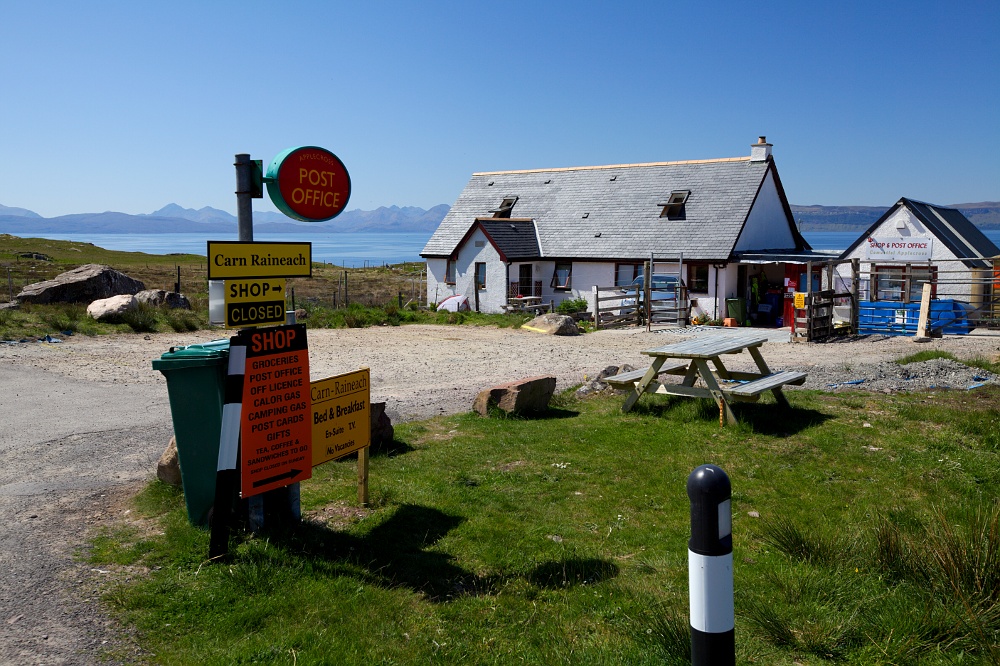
361	249
349	249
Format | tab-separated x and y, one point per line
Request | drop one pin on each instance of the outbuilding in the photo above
916	243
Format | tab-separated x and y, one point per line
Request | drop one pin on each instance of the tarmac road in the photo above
69	448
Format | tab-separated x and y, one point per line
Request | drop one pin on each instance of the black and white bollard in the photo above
710	568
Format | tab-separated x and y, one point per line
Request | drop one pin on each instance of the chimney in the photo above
760	151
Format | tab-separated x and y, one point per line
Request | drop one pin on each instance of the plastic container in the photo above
196	383
736	308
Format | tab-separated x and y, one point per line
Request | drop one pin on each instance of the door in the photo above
524	280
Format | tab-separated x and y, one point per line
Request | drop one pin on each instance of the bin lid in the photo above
189	356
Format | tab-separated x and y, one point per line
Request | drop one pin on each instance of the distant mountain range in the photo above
176	219
985	215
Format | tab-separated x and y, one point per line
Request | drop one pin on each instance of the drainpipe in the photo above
715	311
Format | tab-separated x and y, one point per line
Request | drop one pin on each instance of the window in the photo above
505	207
449	273
903	283
625	274
697	278
480	275
562	277
673	207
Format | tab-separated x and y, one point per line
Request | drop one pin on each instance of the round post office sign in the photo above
308	183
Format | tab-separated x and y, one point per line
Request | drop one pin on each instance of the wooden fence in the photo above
616	306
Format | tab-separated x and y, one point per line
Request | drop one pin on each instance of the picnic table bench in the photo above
692	357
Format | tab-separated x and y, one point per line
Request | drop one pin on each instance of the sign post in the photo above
268	435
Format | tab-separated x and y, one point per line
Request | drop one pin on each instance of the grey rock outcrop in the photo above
553	324
85	284
524	396
168	468
382	431
158	297
112	307
597	384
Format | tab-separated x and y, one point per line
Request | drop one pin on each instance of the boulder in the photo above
596	384
158	297
112	307
383	433
524	396
81	285
302	315
37	256
553	324
168	469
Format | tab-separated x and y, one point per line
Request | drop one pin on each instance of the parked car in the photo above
663	292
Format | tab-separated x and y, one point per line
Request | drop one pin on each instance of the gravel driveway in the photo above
83	422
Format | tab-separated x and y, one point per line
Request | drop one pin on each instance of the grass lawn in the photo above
866	531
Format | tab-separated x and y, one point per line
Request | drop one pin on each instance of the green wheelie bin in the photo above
196	385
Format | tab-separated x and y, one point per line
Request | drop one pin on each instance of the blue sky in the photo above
129	106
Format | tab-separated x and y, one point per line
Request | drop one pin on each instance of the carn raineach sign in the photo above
275	428
308	183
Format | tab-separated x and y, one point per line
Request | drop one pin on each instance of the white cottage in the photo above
556	233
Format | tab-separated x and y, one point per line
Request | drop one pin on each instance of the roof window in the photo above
673	208
505	207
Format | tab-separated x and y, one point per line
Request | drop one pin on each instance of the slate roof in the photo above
514	239
612	212
948	225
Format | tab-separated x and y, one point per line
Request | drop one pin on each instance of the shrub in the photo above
571	305
142	319
182	321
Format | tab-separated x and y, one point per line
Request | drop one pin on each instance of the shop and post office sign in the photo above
341	415
308	183
234	259
899	248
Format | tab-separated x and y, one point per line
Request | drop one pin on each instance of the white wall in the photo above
767	227
437	290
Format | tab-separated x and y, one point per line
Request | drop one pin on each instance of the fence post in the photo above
710	568
597	307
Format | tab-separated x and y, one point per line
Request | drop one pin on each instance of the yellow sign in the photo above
255	302
233	259
341	409
800	300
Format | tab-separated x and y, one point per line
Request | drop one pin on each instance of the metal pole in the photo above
710	568
244	192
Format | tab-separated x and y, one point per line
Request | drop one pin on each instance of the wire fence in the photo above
376	286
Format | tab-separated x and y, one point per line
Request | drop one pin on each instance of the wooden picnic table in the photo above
691	358
525	304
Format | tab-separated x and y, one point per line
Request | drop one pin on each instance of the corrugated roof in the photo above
612	212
